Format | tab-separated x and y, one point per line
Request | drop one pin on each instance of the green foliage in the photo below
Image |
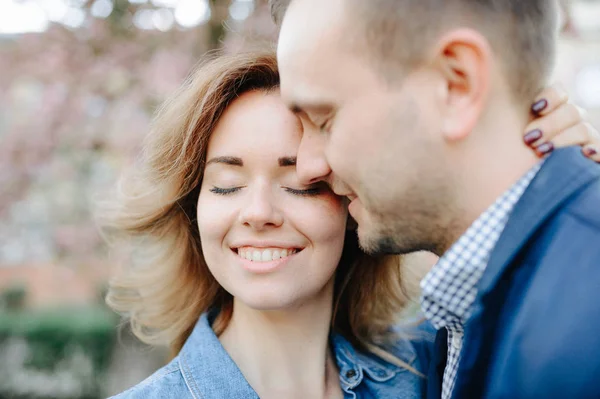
53	337
51	333
13	297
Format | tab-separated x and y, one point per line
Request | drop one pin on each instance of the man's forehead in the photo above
313	55
305	76
308	50
308	27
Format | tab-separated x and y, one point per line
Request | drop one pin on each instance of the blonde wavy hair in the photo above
169	286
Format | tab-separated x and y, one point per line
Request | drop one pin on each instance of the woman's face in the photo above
268	240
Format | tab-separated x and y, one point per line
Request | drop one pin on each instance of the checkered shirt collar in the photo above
450	288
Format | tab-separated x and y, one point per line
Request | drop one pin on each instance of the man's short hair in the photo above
397	33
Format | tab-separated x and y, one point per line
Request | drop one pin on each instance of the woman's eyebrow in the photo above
287	161
233	161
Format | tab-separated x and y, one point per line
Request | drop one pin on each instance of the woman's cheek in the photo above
213	218
324	217
336	207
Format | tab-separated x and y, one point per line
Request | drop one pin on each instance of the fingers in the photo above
552	127
581	134
549	99
559	123
592	151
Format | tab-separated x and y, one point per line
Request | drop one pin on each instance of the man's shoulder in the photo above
166	382
575	223
560	269
555	278
565	252
585	206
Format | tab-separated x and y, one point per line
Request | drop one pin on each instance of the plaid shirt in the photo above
450	288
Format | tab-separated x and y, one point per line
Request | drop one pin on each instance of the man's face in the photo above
372	141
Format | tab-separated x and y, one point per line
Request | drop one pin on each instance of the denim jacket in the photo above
204	370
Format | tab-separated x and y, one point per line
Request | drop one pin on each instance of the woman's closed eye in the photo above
224	191
313	190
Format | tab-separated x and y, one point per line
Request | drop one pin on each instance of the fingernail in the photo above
545	149
532	136
539	106
589	151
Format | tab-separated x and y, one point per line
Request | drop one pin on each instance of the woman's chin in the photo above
272	300
280	292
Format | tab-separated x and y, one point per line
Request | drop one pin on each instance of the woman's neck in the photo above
285	354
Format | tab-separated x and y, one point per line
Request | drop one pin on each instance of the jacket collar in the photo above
207	367
354	365
564	172
435	373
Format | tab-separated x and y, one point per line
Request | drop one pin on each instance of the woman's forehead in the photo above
257	120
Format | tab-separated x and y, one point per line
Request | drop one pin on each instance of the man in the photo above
412	109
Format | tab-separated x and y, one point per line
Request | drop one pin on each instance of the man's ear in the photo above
463	58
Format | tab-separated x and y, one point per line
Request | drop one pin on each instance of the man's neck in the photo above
493	165
284	353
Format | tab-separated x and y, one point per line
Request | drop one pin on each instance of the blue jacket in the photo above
535	329
204	370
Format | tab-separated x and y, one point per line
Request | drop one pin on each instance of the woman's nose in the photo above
260	210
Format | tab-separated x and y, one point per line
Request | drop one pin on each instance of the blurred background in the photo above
79	81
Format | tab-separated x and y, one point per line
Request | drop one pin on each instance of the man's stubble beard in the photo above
402	239
425	226
417	214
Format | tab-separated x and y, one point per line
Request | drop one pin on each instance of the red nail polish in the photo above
539	106
589	151
545	149
532	136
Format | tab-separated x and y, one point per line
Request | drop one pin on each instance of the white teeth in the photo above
267	255
264	255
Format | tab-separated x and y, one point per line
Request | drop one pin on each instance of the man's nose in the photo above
311	164
260	211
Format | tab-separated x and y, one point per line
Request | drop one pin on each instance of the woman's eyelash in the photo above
224	191
307	192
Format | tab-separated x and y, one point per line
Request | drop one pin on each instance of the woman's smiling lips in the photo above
264	257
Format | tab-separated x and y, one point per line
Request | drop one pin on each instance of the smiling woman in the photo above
252	203
253	279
